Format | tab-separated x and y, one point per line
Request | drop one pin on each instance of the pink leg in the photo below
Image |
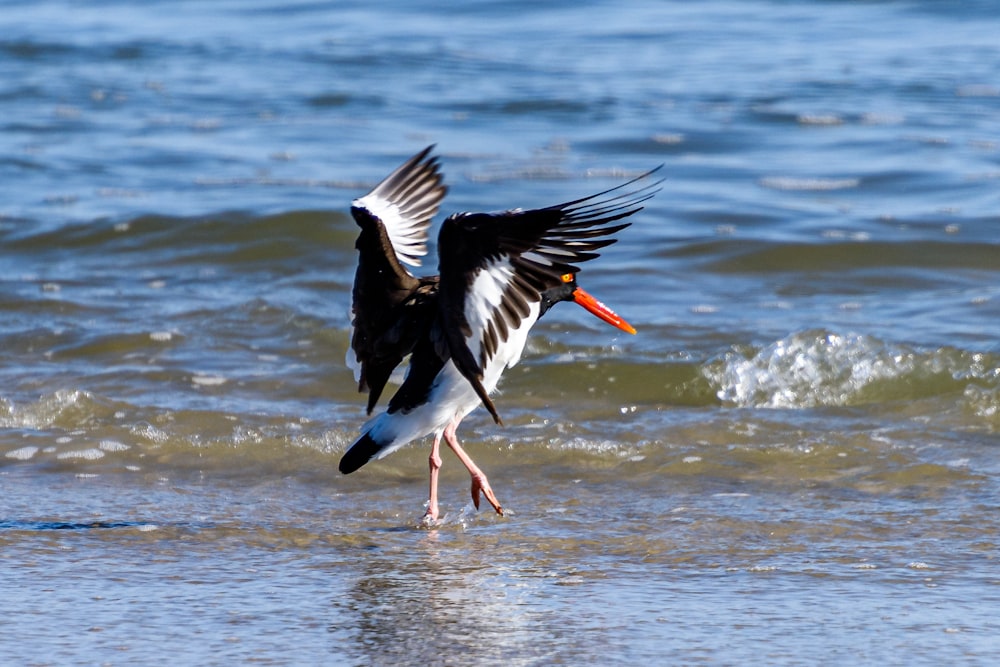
434	460
479	481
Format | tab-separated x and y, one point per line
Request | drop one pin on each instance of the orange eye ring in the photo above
567	277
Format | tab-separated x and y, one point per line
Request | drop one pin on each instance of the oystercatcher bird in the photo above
499	272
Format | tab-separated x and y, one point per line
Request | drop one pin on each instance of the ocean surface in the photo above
795	461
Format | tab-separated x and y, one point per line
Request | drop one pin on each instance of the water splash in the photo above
76	406
819	368
984	402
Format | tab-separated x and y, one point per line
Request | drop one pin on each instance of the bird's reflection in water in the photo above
439	598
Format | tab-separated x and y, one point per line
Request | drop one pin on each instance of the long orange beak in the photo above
600	310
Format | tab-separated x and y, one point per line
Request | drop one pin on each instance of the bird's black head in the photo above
568	290
562	292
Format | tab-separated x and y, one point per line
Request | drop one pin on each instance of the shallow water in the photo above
795	461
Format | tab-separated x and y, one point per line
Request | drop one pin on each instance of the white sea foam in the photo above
22	453
984	401
208	380
44	412
819	368
85	454
808	369
113	446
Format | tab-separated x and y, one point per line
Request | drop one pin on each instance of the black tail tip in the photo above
360	453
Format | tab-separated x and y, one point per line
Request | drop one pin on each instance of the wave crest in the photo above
819	368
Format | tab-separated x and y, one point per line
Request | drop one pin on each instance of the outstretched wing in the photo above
393	218
495	266
402	205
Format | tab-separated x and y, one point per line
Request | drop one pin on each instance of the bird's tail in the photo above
391	430
360	453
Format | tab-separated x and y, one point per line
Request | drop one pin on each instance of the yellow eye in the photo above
567	277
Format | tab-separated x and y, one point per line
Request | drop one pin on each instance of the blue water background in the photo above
796	460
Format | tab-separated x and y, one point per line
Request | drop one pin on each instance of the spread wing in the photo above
495	266
389	303
403	205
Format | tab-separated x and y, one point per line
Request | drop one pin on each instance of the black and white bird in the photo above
499	272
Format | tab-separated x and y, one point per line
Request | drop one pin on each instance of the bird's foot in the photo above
430	518
481	485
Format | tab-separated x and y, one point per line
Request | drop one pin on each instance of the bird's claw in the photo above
481	485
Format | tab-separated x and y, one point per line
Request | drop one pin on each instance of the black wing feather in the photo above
391	307
541	245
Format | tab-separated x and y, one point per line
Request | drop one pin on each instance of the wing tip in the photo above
404	203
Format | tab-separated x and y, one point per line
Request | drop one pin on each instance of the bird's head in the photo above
568	290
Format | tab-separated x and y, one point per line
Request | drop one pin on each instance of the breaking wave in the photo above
820	368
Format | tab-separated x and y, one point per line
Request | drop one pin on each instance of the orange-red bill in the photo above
600	310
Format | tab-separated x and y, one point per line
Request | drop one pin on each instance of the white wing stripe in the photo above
536	258
407	237
483	299
484	305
